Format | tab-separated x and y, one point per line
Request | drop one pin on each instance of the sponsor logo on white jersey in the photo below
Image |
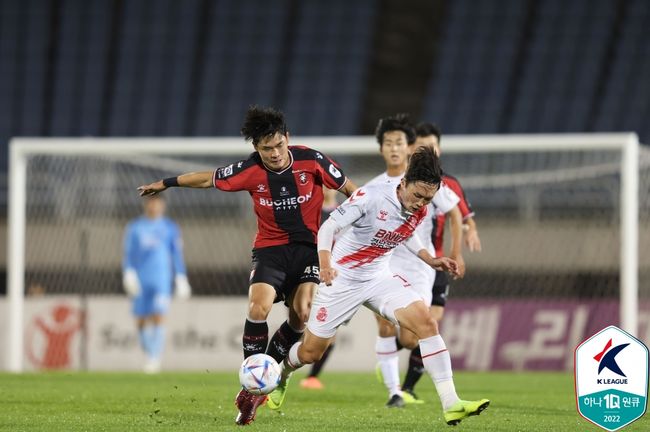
386	239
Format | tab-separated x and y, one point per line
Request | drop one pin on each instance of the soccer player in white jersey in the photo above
395	136
429	134
356	272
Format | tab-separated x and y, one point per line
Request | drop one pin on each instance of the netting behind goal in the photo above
549	219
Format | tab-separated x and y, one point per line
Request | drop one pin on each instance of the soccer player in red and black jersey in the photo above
286	185
428	135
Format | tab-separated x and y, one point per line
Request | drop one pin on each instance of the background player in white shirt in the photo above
395	136
356	272
429	134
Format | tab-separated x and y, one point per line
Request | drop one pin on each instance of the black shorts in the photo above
440	289
285	267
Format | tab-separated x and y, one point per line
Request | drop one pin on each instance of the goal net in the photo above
557	216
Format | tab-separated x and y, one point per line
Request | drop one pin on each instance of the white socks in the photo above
291	362
437	362
386	349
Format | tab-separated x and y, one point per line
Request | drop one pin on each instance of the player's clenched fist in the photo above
327	275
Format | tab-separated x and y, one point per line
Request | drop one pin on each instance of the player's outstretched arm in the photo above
327	272
472	240
455	252
193	180
348	188
445	264
325	240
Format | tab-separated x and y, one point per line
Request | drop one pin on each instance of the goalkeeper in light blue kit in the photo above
153	260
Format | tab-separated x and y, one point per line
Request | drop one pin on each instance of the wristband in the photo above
170	182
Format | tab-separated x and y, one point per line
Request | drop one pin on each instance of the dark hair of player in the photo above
425	129
262	122
424	166
399	122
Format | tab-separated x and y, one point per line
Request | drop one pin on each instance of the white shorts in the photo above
336	304
420	282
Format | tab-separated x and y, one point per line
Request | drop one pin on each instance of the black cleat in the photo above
395	401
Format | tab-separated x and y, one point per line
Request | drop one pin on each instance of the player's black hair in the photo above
399	122
424	166
425	129
262	122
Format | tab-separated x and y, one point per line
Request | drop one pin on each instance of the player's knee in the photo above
258	311
409	341
302	311
386	328
427	327
437	312
297	322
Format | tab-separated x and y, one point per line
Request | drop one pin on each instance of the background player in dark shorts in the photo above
440	290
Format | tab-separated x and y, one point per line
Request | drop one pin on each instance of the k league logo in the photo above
611	378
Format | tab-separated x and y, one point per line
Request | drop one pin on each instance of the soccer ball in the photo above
259	374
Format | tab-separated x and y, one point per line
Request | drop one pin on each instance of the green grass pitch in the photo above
350	402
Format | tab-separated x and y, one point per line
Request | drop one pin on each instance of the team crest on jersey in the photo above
382	215
261	187
336	173
302	177
224	172
322	314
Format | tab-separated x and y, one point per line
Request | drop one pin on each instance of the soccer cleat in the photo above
276	397
463	409
410	397
311	383
395	401
247	404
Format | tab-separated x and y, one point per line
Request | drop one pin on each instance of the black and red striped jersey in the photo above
437	233
287	203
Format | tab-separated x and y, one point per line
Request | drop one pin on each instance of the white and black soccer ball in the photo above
259	374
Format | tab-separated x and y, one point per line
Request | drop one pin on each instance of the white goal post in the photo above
21	149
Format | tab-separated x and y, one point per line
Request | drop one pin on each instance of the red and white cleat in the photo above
247	404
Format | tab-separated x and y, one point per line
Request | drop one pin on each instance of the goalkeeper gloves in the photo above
183	288
131	282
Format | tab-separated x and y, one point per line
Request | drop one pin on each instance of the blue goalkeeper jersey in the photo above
154	249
